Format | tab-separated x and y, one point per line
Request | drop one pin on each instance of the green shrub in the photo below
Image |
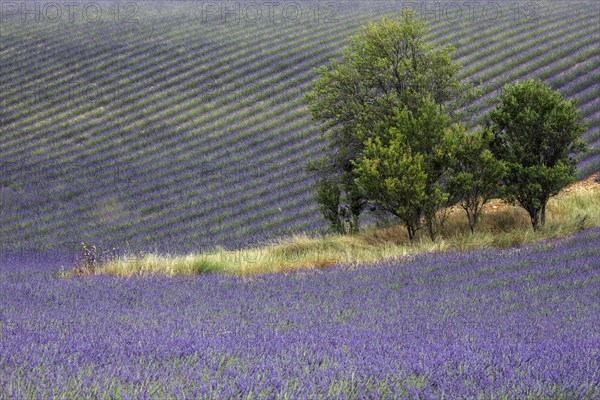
207	266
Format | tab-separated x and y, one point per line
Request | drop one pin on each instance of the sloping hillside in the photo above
184	124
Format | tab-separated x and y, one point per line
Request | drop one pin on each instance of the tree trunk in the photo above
472	218
472	223
535	218
431	229
355	223
472	211
543	215
411	231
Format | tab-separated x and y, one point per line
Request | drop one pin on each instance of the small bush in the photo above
206	266
92	259
582	221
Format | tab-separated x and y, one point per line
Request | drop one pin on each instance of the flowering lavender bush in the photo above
169	126
517	323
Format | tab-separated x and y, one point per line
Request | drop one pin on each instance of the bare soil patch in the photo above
588	184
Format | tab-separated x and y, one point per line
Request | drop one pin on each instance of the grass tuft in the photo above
206	266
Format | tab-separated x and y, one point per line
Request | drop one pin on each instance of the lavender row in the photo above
485	324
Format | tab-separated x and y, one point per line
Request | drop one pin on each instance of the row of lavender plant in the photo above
516	323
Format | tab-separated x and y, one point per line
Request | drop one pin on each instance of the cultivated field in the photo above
182	125
486	324
156	129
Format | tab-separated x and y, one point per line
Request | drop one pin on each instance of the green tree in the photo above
416	137
425	130
537	133
339	207
388	66
328	197
394	178
476	174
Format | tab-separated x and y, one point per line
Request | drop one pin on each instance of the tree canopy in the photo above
388	108
388	67
537	133
475	174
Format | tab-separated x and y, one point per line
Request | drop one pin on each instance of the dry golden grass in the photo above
503	225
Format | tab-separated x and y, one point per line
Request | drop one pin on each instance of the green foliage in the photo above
204	266
355	205
476	173
388	67
339	199
425	130
537	133
328	197
394	178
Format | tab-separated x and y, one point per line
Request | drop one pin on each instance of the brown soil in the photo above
588	184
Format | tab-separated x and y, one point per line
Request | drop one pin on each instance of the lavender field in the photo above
491	325
184	124
174	127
